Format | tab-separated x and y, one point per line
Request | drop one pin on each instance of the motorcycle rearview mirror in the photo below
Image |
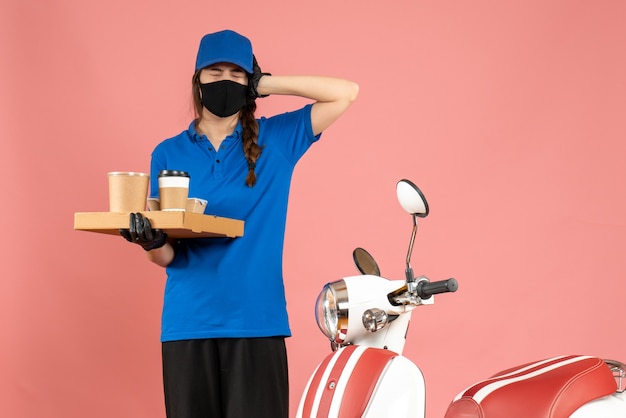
364	262
411	198
413	201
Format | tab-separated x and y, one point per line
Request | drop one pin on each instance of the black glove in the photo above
141	232
253	81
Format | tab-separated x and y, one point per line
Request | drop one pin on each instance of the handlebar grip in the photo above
426	289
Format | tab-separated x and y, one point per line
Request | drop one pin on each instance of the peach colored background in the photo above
510	115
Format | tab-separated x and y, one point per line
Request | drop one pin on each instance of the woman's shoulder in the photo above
293	115
182	137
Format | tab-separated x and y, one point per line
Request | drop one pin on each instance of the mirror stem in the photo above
409	271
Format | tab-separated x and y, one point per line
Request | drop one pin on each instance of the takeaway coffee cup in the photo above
128	191
173	189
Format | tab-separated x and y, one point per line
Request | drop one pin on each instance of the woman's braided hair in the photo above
249	125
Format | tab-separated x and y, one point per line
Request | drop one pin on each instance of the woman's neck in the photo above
215	128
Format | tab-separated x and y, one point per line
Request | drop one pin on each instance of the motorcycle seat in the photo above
552	388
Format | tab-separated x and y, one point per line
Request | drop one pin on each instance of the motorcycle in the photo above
366	319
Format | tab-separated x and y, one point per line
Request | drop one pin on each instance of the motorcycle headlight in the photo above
331	311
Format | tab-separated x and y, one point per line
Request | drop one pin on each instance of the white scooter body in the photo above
366	319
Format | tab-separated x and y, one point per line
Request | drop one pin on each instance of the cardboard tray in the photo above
176	224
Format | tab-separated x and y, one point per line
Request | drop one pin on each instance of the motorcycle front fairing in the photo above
359	381
366	376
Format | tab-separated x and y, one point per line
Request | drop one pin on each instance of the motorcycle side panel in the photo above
359	381
612	406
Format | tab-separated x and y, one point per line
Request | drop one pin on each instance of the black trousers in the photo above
226	378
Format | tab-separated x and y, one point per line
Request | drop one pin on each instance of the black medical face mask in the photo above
223	98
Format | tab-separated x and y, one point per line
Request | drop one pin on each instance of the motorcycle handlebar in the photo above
426	289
